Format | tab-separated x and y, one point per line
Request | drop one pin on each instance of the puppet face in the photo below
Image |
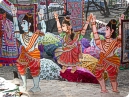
108	32
25	26
65	27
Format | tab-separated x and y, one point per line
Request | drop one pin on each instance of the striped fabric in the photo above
110	49
114	59
32	41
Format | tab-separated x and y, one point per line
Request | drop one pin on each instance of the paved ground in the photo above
54	88
57	88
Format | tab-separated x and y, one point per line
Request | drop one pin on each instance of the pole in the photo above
66	6
48	24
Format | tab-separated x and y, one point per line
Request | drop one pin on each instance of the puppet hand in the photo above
55	15
90	17
41	14
93	19
14	10
37	32
121	18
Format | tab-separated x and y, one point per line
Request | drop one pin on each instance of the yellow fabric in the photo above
88	62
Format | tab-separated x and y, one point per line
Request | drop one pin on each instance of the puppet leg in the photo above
63	69
24	87
36	87
113	72
22	71
74	68
35	70
99	75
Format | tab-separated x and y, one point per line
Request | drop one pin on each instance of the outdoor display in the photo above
68	46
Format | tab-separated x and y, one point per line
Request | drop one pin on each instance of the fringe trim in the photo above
68	64
27	60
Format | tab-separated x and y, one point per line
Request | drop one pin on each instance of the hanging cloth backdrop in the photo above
8	50
5	4
76	8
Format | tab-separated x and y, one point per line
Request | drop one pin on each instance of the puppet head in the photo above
27	23
111	29
66	26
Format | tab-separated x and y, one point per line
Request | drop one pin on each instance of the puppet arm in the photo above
95	33
121	18
58	23
15	22
86	24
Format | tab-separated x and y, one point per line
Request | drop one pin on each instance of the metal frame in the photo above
125	41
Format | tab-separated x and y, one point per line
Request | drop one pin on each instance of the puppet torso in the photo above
106	46
24	38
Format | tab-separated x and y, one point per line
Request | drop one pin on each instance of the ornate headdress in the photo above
66	20
112	24
29	18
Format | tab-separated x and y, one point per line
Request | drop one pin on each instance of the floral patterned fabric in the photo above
8	89
49	69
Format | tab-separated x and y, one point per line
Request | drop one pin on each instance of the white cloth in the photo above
49	70
6	85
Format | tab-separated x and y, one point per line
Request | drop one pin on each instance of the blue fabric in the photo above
49	49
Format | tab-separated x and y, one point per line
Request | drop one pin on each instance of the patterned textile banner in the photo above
8	46
76	8
23	9
5	4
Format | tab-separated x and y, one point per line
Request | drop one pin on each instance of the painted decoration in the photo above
76	8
